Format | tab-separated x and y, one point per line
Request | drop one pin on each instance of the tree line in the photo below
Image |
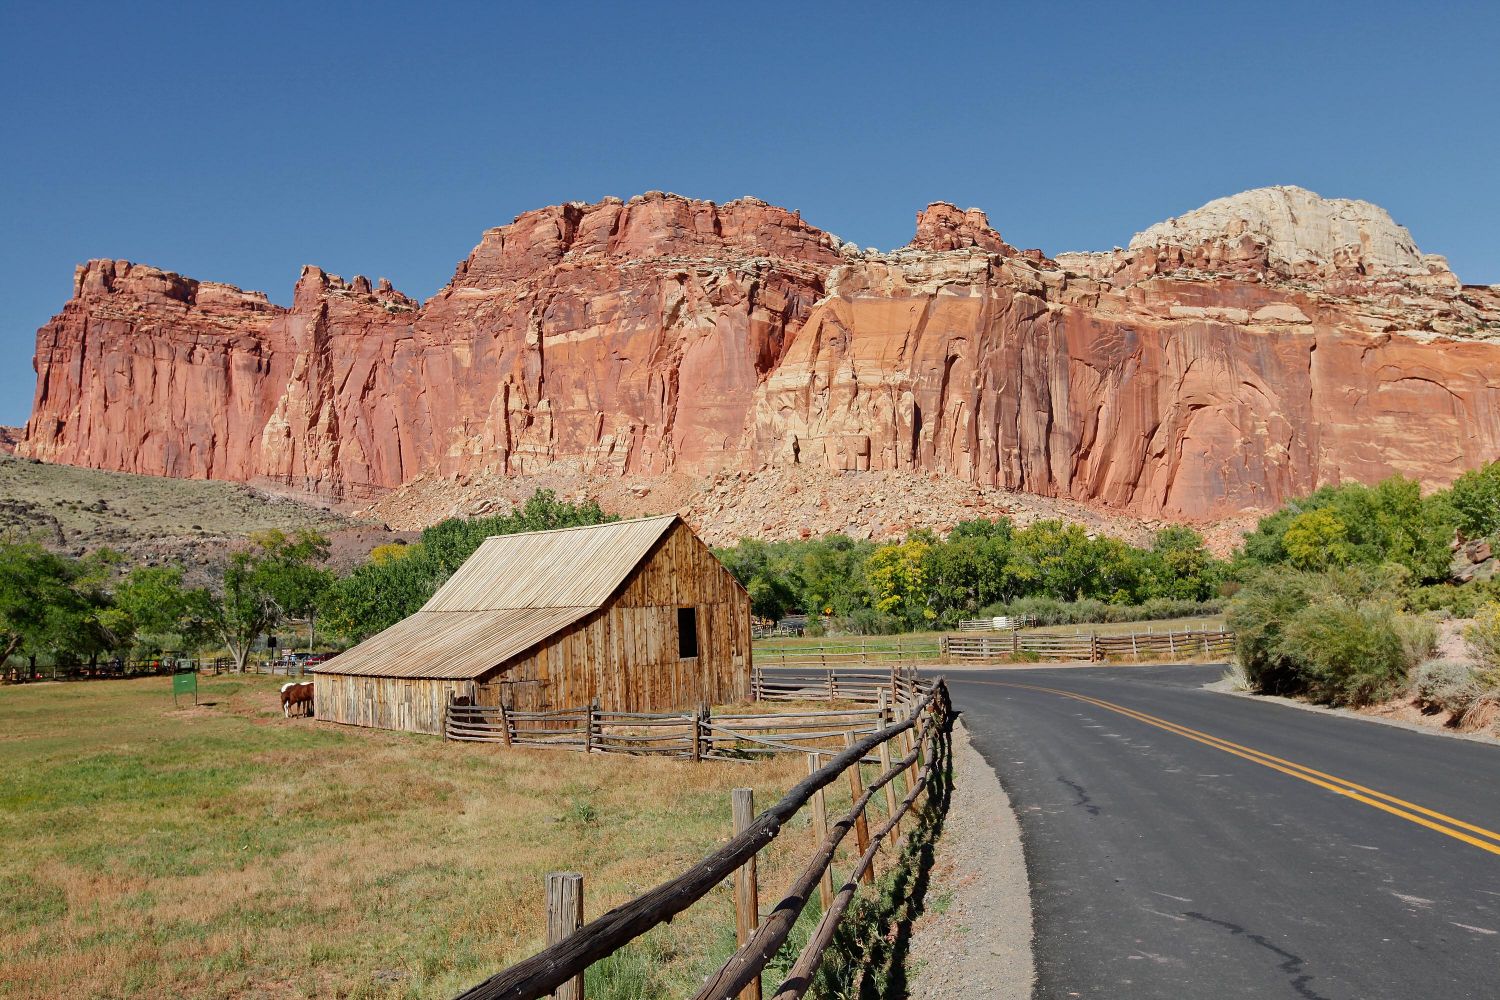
76	611
81	610
1386	544
981	568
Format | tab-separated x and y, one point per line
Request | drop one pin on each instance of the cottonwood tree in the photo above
50	604
33	583
260	586
151	607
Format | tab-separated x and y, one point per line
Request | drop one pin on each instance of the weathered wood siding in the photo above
411	703
625	654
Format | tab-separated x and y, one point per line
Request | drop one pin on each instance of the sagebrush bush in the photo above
1446	685
1484	636
1050	611
867	621
1418	635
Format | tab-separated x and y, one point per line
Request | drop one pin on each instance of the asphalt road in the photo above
1172	864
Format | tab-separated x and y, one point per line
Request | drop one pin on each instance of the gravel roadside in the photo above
974	940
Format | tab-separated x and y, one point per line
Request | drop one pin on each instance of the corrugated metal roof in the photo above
452	645
512	593
565	568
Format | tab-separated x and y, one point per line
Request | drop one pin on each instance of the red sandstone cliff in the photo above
1246	352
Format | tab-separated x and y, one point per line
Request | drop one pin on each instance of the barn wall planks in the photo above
624	655
410	703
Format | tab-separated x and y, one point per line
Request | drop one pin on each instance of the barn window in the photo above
687	633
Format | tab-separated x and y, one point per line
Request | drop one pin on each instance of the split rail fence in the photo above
1093	648
909	745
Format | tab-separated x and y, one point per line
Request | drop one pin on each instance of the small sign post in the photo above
185	683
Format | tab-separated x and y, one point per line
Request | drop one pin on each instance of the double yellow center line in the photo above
1478	836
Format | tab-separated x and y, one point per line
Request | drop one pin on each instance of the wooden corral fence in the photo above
830	684
1093	648
156	666
999	623
912	749
701	734
851	653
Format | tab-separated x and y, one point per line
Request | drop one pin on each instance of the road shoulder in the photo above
1443	732
975	937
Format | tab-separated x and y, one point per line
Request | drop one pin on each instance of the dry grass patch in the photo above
223	851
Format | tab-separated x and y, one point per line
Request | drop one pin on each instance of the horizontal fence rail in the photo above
1092	648
702	734
999	623
917	735
851	653
830	684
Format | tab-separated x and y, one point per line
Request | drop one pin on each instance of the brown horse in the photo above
297	693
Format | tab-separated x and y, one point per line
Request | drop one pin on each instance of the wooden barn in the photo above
636	614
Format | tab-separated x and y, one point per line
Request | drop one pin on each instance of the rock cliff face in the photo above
1245	352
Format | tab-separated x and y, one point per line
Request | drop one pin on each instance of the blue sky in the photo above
238	145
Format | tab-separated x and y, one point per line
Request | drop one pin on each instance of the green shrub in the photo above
1446	685
1338	637
1484	637
1347	653
1460	601
867	621
1257	615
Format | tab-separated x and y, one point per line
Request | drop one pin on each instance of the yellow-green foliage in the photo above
382	554
897	581
1317	539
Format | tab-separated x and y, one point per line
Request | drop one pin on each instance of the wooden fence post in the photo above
746	891
564	917
1135	650
833	683
588	730
697	737
504	724
890	788
861	824
1093	647
1172	644
820	834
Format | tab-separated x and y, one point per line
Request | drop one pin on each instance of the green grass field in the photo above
224	851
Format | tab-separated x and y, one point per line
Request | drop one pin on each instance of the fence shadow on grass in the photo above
868	958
